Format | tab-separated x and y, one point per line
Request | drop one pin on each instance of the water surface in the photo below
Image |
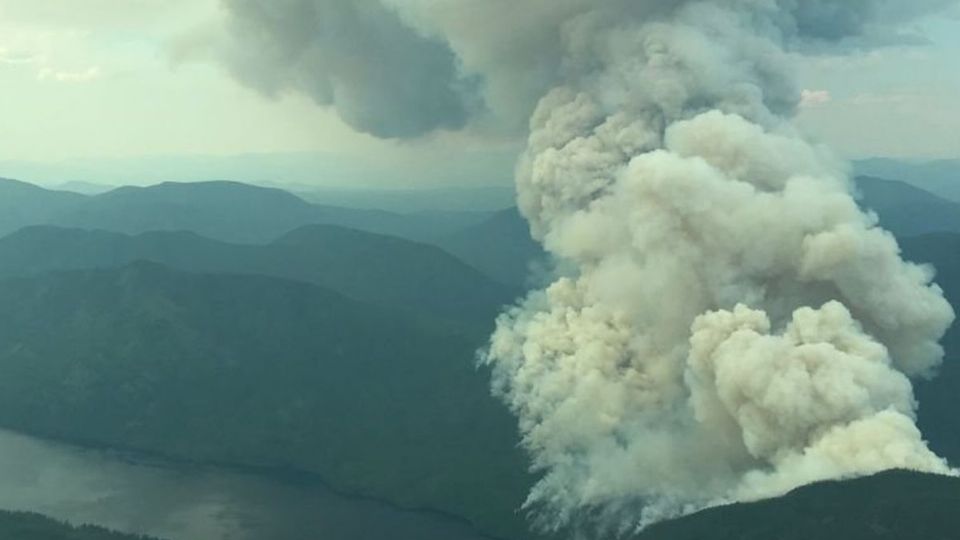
129	494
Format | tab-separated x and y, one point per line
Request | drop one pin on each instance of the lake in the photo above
138	495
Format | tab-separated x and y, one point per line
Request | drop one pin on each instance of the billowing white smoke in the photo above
736	326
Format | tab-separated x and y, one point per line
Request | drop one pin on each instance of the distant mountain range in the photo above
227	211
24	204
453	199
498	244
240	213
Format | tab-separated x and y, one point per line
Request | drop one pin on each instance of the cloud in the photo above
814	98
92	14
82	76
405	68
382	76
16	57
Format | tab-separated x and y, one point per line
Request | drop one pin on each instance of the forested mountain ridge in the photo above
895	505
221	210
906	210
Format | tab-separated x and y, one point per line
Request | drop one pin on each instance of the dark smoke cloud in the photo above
358	56
405	68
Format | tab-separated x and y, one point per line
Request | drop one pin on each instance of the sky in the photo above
125	91
899	102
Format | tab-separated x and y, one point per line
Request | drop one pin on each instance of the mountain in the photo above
22	204
391	271
222	210
895	505
236	212
941	177
501	247
25	526
452	199
381	270
906	210
261	372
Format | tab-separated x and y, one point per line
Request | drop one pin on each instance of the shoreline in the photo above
284	475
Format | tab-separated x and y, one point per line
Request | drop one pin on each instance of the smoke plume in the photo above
406	68
733	326
382	77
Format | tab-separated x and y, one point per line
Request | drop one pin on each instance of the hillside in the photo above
24	526
259	371
896	505
381	270
500	247
392	272
22	204
906	210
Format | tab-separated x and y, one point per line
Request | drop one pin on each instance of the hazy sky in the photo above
108	89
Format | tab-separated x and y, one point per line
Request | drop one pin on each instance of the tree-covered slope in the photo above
895	505
501	247
906	210
25	526
260	371
377	269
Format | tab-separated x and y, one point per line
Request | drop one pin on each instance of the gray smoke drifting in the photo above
405	68
382	77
